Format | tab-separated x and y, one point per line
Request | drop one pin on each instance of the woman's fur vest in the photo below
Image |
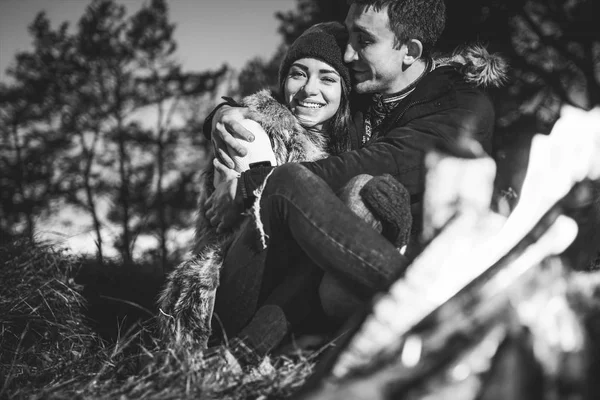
187	300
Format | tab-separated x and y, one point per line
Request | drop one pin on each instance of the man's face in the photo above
375	64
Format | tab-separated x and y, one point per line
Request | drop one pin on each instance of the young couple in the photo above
377	90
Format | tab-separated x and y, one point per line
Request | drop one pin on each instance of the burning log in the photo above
478	275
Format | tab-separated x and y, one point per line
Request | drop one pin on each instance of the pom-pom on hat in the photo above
325	41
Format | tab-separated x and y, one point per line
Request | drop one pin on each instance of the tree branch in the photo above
552	79
585	65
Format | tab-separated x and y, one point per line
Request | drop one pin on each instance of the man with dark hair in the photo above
404	103
408	21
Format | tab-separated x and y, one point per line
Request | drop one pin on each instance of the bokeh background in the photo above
102	104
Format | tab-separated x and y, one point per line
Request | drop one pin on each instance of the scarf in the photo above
383	104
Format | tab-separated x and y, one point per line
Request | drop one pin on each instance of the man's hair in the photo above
423	20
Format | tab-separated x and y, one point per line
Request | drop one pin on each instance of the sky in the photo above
208	32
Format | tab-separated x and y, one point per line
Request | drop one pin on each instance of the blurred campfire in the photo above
492	307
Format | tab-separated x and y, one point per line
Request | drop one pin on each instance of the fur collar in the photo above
477	65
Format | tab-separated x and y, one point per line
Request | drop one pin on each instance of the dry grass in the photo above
48	349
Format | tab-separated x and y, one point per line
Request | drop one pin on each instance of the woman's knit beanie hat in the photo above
325	41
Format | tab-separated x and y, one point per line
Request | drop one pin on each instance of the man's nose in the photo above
350	54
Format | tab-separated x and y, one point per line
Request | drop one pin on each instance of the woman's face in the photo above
312	90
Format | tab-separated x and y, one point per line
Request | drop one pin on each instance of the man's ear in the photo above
414	50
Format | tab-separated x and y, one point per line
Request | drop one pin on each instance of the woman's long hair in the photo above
337	127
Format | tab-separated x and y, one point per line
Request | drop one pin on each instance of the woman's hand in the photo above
222	173
228	133
223	208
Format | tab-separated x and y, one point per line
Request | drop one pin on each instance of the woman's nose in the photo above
311	86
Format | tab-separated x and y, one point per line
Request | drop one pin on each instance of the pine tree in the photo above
88	96
29	139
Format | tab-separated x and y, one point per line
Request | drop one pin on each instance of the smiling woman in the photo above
315	82
314	86
313	91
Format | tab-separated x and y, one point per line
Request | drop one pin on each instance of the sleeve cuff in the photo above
249	181
247	200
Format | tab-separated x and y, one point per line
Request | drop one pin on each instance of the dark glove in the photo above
389	201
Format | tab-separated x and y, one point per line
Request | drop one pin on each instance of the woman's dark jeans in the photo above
309	231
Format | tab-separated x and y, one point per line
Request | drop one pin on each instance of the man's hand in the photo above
223	207
227	131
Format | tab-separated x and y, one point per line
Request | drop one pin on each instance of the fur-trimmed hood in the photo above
478	66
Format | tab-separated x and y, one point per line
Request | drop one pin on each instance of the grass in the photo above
50	347
67	332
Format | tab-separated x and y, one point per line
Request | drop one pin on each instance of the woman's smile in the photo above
310	104
313	91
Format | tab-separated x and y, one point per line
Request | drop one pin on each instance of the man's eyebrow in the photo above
360	29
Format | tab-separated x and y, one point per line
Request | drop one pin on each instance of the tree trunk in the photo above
94	214
124	191
21	185
89	155
160	206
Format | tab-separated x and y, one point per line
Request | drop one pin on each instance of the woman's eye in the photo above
296	74
329	80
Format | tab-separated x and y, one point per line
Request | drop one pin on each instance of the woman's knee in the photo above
294	178
289	174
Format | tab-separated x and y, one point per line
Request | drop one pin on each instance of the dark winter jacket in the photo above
442	107
446	104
